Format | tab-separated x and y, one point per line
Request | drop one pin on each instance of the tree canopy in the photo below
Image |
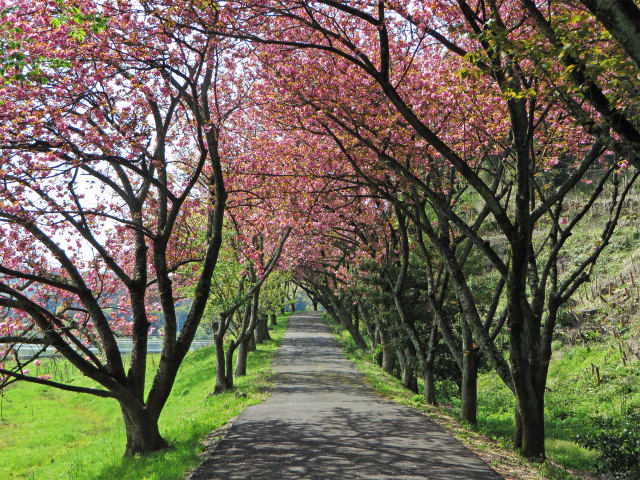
381	155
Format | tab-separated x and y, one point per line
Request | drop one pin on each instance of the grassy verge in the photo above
47	433
575	394
489	444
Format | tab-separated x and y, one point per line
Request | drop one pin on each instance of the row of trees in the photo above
455	116
405	146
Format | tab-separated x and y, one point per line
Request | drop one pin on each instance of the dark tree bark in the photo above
340	309
363	313
388	357
428	375
224	362
221	377
262	330
141	429
265	325
241	358
407	370
259	335
228	364
425	353
469	387
244	344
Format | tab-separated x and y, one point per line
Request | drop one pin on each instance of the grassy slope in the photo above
601	321
573	396
49	433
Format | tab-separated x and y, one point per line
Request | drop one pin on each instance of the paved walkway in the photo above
323	422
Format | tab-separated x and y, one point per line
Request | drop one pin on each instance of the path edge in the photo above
504	462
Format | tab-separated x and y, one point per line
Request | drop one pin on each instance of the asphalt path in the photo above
323	422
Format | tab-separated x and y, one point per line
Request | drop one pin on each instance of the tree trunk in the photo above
352	320
377	357
143	435
429	386
469	390
315	305
229	366
241	358
266	328
262	327
221	378
368	324
528	368
429	392
273	319
259	333
293	307
388	359
401	362
357	337
529	432
409	379
252	342
529	380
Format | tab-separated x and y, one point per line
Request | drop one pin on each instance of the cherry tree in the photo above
255	272
588	48
101	153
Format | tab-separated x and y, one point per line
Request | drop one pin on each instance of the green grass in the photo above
573	397
51	434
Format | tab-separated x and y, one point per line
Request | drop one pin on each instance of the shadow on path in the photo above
323	422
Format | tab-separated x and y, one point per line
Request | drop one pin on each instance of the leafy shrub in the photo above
617	440
566	318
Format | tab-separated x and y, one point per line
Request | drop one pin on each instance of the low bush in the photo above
617	441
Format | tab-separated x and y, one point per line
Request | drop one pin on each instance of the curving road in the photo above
323	422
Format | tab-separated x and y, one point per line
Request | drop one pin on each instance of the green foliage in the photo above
49	433
78	20
18	66
228	276
565	318
274	293
617	441
552	472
